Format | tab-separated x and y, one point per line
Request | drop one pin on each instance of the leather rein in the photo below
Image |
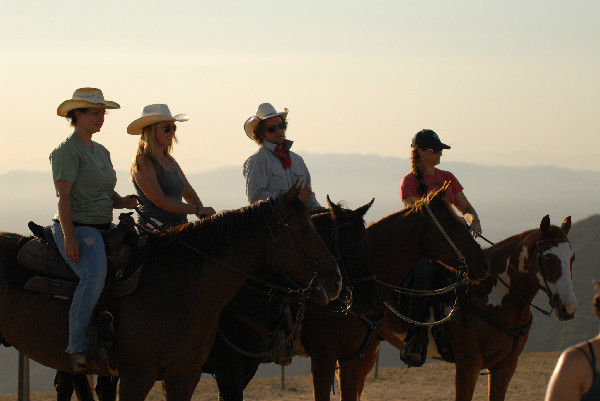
463	267
276	240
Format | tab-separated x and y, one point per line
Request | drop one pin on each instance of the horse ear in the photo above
361	211
293	191
545	224
441	193
333	208
566	225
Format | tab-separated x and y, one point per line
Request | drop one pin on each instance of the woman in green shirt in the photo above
84	179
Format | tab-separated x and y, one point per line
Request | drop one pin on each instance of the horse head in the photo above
344	230
555	266
296	241
447	238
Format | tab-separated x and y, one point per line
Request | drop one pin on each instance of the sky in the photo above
504	82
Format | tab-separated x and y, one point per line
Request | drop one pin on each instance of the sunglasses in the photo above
169	127
282	125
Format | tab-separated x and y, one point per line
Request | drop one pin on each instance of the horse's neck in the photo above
396	245
514	263
216	278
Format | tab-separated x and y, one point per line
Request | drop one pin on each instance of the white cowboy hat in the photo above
151	114
265	111
84	98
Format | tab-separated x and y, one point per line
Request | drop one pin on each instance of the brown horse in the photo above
491	326
166	327
397	241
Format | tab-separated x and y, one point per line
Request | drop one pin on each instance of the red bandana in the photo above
284	156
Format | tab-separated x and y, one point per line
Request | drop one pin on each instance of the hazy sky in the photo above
507	82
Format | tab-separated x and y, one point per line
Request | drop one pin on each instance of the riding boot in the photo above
414	352
421	277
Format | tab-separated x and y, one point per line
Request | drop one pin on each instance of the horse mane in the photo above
499	247
217	233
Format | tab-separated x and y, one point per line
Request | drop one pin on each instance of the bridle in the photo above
345	272
540	259
283	228
463	271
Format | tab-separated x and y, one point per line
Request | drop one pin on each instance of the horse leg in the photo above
230	381
63	383
349	379
323	371
135	384
466	375
181	388
106	388
366	365
500	379
82	388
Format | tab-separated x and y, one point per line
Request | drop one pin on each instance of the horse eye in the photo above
547	258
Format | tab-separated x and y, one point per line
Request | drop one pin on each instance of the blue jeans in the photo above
91	271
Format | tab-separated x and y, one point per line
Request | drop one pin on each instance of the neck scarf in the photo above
284	157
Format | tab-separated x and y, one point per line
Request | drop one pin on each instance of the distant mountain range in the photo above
509	200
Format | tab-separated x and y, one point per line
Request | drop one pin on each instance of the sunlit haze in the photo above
512	83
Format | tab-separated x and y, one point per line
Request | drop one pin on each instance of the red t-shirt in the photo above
409	185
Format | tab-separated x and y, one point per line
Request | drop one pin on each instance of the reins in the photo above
269	353
249	276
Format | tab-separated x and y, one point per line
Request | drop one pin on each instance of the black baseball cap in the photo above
428	139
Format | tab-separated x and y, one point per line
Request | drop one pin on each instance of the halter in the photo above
462	265
538	256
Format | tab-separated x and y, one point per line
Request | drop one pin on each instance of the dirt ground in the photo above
432	382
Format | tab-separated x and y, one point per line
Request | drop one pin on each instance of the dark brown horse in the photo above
398	241
248	323
166	327
491	326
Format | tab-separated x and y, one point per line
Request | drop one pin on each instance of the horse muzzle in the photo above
327	288
563	312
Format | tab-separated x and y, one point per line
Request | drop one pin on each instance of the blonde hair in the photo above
147	147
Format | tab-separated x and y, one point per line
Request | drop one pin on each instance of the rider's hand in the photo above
205	211
72	248
475	228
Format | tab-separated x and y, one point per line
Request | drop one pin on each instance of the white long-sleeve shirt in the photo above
266	178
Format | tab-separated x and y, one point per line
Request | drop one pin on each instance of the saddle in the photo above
43	269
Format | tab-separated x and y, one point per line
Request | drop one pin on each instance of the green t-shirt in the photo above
93	177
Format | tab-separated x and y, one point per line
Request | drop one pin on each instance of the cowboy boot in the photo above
414	352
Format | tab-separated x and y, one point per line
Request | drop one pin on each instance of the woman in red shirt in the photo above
426	152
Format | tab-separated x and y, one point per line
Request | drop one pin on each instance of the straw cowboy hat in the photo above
265	111
151	114
84	98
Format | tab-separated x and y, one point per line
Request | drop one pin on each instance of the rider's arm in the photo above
568	381
63	192
145	177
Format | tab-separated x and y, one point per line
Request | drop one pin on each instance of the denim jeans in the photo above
91	271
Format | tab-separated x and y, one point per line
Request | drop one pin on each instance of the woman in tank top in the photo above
158	179
576	376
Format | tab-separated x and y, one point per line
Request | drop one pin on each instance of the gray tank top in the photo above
172	185
593	394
